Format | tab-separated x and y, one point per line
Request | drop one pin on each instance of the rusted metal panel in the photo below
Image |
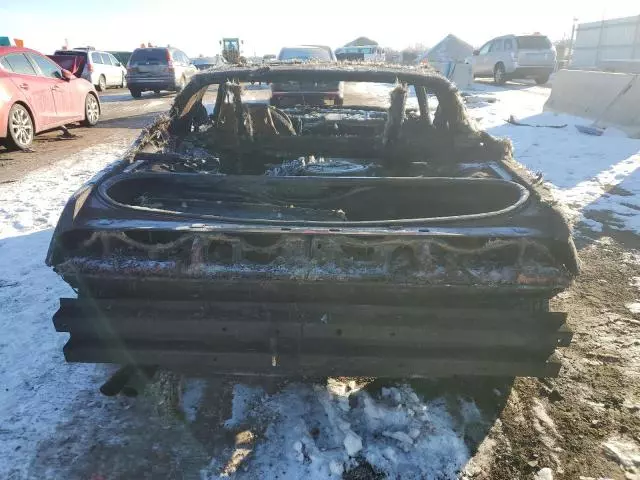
306	339
265	364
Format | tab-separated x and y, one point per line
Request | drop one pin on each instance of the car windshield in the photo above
149	56
534	42
305	54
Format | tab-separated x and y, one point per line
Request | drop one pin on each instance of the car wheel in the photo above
20	128
542	79
499	74
157	92
135	93
102	84
91	111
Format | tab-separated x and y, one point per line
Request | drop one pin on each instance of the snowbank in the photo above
595	178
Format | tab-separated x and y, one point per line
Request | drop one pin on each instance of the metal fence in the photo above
609	40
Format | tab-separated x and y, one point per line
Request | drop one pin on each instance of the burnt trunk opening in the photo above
324	199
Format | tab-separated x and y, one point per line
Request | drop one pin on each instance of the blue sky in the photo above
197	26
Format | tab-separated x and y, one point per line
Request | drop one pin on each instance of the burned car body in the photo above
316	240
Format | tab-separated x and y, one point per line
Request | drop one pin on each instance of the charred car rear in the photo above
322	240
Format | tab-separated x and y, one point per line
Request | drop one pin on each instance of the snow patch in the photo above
38	386
625	453
336	468
633	307
352	443
596	178
35	202
544	474
191	397
308	434
243	398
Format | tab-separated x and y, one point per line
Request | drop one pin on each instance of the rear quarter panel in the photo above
9	95
81	88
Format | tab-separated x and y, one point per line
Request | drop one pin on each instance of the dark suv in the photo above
158	69
307	93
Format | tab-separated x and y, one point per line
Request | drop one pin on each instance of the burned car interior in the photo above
360	239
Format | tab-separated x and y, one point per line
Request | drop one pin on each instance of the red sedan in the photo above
36	94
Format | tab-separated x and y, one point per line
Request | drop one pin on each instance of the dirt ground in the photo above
575	424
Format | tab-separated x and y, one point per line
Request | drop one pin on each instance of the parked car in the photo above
40	95
123	57
307	53
158	69
307	93
102	69
204	63
513	57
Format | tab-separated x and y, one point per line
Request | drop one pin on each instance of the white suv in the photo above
513	57
102	69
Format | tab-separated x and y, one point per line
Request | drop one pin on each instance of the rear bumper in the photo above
314	334
151	83
537	71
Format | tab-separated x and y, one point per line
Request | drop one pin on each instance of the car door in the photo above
495	54
112	72
98	68
35	88
117	70
509	53
481	64
69	106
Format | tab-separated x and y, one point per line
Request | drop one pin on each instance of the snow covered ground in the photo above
309	431
596	178
35	383
318	431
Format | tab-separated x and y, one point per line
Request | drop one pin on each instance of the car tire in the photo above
157	92
499	74
135	93
542	79
102	84
20	129
91	111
